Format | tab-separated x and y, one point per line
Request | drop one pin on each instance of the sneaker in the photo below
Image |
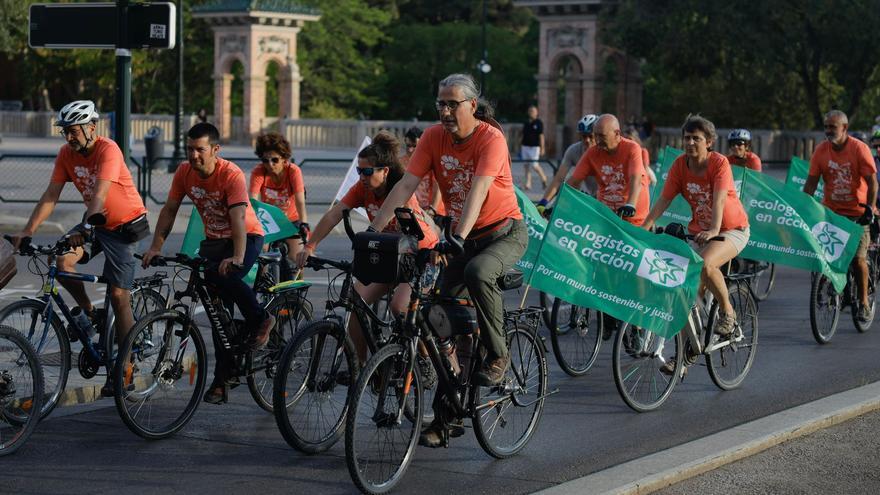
108	390
433	435
864	313
668	368
427	372
725	325
492	372
262	336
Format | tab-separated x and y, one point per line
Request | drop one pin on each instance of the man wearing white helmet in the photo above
570	159
740	143
97	169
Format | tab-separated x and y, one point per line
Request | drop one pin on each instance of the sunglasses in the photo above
737	143
367	171
274	159
452	105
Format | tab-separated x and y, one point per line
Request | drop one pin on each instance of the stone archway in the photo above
569	33
255	33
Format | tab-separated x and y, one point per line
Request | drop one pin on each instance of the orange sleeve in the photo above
178	184
720	173
672	187
421	161
354	198
582	169
258	176
635	164
493	157
754	162
296	179
109	163
236	191
59	173
646	157
865	161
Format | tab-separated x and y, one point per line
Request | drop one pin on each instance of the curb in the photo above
664	468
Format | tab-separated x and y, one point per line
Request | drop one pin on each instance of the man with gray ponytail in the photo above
470	161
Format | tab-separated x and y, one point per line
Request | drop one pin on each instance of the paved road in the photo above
585	428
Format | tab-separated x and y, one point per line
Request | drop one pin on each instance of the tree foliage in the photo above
774	63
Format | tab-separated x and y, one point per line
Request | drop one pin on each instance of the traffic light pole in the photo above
123	81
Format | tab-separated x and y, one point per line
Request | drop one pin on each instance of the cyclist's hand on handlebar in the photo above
703	237
149	254
303	256
18	239
230	265
626	211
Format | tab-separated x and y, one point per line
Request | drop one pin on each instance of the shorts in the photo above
119	262
739	238
530	153
864	241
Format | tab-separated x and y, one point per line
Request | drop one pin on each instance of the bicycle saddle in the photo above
269	257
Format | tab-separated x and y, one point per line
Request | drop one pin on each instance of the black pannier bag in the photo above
384	258
447	318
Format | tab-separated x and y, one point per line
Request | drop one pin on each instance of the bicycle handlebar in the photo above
27	248
317	263
184	259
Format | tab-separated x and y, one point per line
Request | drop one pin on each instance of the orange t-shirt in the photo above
105	162
454	166
844	172
278	194
214	196
612	173
360	196
698	190
751	161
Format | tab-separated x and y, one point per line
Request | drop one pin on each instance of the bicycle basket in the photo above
383	258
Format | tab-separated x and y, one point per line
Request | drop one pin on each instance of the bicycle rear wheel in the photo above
864	325
383	425
160	374
729	365
53	348
825	303
577	338
312	385
765	278
289	310
21	390
146	300
507	415
639	355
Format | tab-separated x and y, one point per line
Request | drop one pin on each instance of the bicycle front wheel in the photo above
642	362
28	316
311	387
383	425
506	415
864	325
729	365
160	374
825	303
289	310
21	390
577	337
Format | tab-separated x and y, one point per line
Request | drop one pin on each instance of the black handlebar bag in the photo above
384	258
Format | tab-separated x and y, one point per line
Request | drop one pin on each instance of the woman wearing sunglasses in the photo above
279	182
379	169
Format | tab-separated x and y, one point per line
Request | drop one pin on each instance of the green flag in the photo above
679	210
536	226
592	258
798	171
790	228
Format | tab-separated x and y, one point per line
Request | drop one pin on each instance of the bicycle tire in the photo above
289	310
864	326
636	361
305	380
825	305
546	301
729	365
145	300
523	389
578	337
763	282
54	353
140	385
394	375
22	391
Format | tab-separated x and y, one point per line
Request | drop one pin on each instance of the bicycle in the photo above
385	415
640	356
317	367
37	319
161	371
576	334
21	390
826	303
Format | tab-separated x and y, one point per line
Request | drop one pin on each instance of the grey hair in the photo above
836	114
463	81
699	123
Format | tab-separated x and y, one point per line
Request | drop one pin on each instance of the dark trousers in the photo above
233	291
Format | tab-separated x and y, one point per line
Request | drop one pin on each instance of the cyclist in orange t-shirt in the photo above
379	169
97	169
428	192
740	143
470	160
703	177
279	182
619	169
233	238
850	177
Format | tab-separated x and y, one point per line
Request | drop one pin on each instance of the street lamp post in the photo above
178	118
483	66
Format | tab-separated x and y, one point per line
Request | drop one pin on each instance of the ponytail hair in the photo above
382	152
486	113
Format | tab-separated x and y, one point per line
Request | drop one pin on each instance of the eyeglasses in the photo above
452	105
367	171
274	159
73	130
737	143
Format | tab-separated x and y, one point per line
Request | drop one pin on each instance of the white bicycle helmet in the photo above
77	112
740	135
585	125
